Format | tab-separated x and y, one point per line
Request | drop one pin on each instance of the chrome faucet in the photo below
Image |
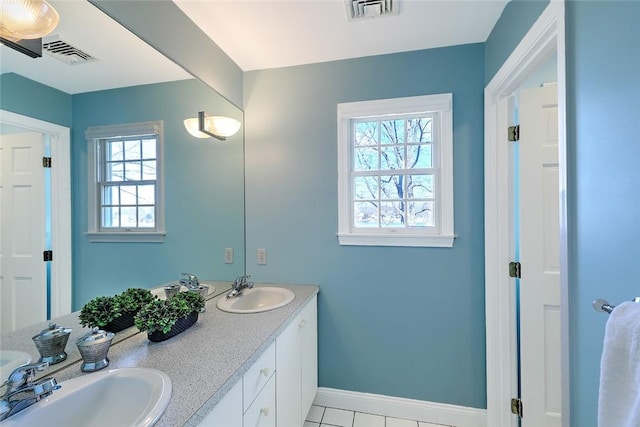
191	282
23	391
238	285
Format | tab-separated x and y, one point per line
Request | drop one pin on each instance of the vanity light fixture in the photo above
219	127
26	19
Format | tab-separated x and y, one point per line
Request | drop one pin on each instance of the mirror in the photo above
204	179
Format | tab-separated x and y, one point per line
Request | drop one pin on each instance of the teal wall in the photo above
405	322
203	192
603	101
516	19
23	96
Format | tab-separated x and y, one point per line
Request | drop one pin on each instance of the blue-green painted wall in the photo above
23	96
603	101
405	322
203	192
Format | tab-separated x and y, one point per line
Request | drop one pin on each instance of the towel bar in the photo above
603	305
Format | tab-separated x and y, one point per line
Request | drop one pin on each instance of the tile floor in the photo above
319	416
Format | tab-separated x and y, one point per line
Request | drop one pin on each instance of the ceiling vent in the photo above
64	52
364	9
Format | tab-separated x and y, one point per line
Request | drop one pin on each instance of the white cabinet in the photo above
297	367
280	386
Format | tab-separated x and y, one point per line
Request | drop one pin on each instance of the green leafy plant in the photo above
99	312
161	315
133	299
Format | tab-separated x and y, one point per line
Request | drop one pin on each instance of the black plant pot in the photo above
120	323
180	326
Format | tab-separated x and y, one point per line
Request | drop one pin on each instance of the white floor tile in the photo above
368	420
421	424
338	417
315	413
310	424
397	422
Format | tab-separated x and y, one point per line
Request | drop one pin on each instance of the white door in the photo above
23	293
540	258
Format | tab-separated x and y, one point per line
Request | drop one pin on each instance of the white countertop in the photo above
206	360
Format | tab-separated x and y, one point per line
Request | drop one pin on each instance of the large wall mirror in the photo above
124	81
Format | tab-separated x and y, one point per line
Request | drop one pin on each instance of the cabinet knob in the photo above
265	371
303	323
265	411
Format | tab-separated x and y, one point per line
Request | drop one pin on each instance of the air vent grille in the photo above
65	52
364	9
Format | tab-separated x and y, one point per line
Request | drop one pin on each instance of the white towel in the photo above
619	396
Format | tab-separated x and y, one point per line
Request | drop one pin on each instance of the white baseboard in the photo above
431	412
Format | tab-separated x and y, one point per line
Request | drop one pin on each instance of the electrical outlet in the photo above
228	255
262	256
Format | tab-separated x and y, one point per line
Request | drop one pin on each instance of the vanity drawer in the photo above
257	376
262	412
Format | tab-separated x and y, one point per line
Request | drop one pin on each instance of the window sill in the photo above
126	236
361	239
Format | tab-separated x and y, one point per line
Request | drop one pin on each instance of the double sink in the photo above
124	396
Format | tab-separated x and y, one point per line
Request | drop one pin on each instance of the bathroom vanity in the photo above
229	368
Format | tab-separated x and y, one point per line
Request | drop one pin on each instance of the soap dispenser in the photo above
94	347
51	343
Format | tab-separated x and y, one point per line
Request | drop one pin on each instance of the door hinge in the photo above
516	407
514	133
48	255
515	269
46	162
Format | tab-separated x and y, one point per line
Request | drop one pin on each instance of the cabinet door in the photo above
262	412
309	356
288	385
228	412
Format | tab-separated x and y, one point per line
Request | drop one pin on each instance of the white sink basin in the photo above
256	300
117	397
10	360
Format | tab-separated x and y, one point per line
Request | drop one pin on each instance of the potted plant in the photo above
115	313
163	319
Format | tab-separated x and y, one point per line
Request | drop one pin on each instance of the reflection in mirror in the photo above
203	179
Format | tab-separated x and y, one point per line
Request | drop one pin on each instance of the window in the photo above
395	173
125	183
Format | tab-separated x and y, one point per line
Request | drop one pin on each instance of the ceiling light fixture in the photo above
26	19
219	127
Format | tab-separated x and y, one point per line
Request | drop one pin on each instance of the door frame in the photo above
545	38
61	268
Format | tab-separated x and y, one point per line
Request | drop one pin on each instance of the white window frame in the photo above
442	235
94	135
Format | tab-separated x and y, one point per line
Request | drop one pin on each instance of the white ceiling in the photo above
256	34
259	34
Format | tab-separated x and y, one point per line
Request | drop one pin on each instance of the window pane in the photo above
146	194
132	150
149	148
365	215
110	217
421	214
110	195
128	195
365	159
420	187
146	217
391	187
419	156
114	150
114	171
149	170
419	130
366	133
392	157
132	171
128	217
392	132
365	188
391	215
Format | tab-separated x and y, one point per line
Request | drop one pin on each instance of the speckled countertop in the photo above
208	359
